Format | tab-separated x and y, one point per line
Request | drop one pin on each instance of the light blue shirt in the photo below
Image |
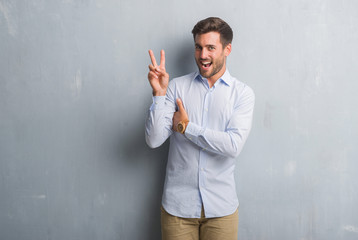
201	162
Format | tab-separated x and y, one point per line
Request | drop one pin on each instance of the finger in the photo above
174	121
180	105
152	58
151	67
152	74
162	58
157	70
161	71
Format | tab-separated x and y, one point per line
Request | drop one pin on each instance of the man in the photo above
207	115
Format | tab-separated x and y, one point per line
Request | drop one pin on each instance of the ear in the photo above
227	50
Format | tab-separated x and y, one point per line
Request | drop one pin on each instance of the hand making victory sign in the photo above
159	80
157	76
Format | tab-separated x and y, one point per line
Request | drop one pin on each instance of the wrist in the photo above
159	93
182	125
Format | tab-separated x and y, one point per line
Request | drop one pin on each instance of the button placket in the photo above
202	160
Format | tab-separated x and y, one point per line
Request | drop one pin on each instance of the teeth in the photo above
205	63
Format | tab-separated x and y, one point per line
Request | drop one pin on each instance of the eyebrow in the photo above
208	45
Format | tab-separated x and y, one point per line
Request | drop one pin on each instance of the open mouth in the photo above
205	65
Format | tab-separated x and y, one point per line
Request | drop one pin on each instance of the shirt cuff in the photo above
158	103
193	131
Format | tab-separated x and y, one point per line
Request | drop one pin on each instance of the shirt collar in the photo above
225	78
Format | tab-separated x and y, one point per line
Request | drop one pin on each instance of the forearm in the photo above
228	143
158	125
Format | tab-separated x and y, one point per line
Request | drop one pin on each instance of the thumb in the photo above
180	105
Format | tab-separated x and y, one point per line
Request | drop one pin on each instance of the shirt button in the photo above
206	109
202	169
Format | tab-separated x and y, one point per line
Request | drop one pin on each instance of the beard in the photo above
216	66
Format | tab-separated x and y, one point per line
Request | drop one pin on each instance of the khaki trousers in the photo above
221	228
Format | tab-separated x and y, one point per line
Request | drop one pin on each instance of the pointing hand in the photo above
180	116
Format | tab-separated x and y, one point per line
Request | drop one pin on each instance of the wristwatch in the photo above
181	127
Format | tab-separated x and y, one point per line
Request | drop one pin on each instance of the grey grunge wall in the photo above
74	96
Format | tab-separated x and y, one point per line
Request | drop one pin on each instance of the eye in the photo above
197	47
211	48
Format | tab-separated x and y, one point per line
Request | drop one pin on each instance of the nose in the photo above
203	53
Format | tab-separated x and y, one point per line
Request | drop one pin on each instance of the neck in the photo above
212	80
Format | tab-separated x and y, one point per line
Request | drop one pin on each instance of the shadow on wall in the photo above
137	156
184	61
138	153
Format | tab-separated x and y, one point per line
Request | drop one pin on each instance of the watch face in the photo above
180	127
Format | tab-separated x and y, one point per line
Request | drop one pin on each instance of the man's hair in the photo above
214	24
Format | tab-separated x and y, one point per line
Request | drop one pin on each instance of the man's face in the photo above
210	56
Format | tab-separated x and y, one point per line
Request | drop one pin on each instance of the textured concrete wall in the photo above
74	95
